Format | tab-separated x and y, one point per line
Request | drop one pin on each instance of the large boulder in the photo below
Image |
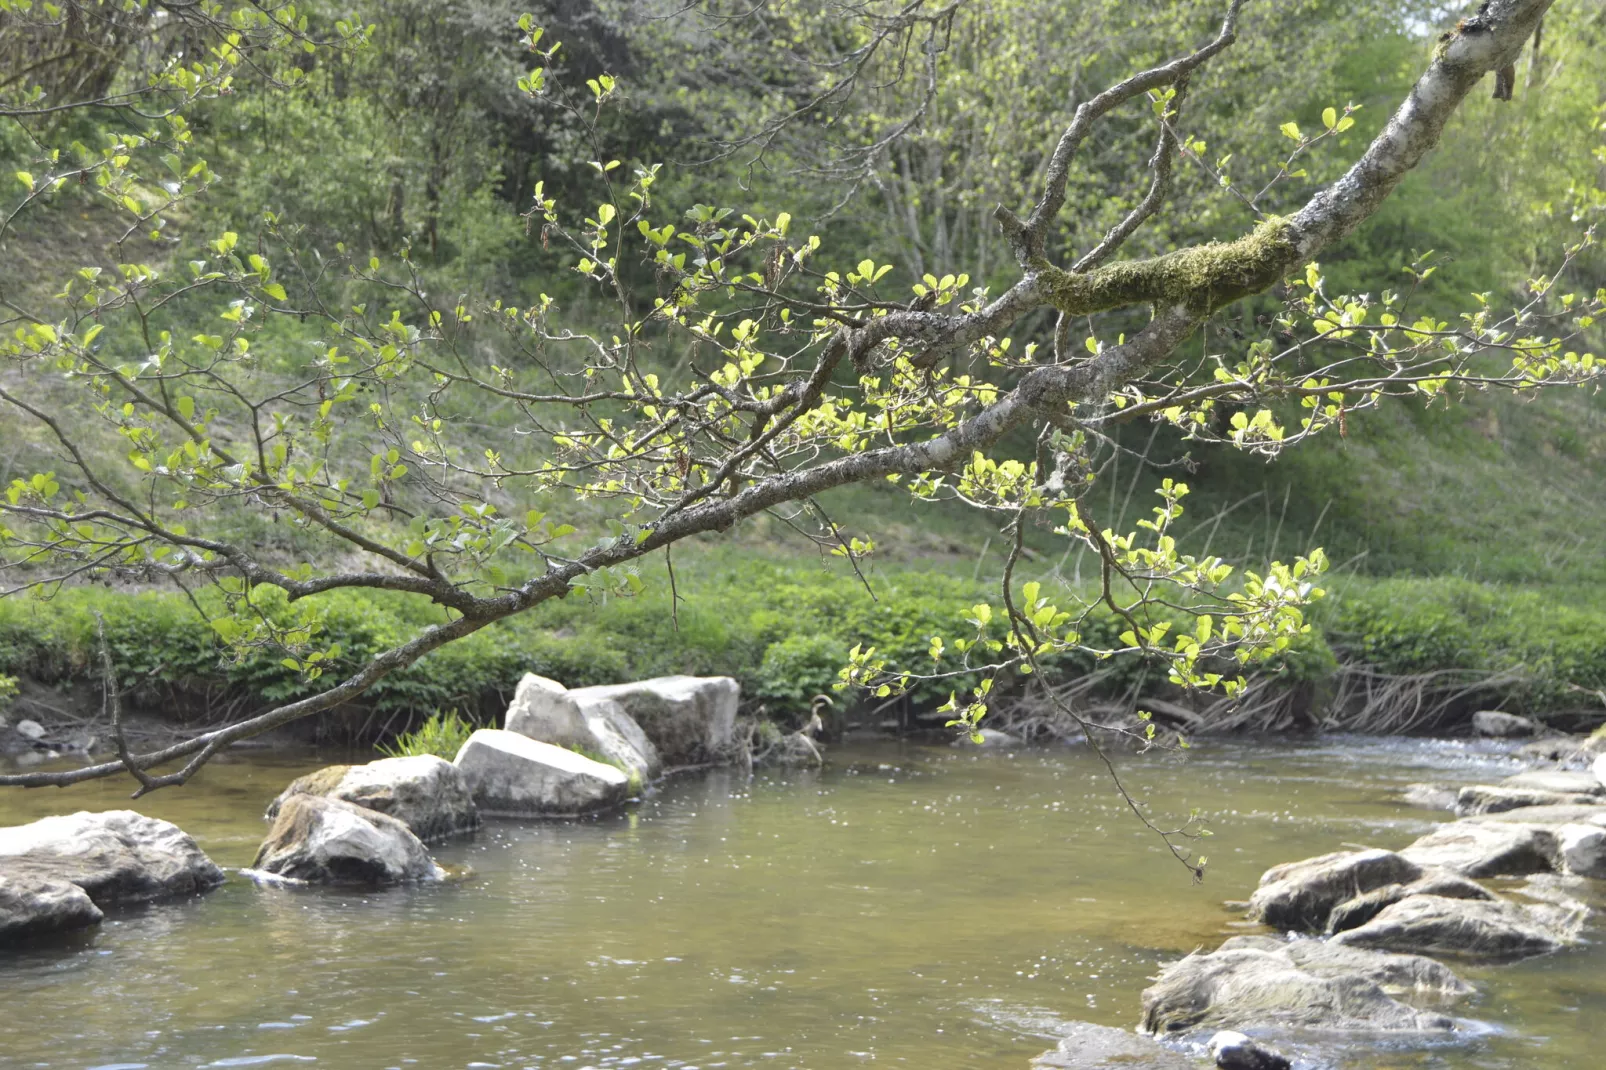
1500	930
425	792
1254	986
690	719
1477	799
512	775
321	840
31	905
116	857
1301	895
1100	1047
1233	1050
1496	724
1486	849
545	710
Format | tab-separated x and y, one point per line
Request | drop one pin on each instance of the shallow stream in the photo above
909	905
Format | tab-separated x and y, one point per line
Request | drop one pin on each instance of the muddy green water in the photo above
914	906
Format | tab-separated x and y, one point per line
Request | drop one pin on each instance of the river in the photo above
909	905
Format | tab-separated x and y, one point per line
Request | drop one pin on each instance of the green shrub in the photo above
797	668
443	735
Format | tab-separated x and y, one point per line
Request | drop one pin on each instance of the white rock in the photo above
1497	724
116	857
547	711
513	775
1583	850
330	841
1599	769
425	792
690	719
30	729
991	738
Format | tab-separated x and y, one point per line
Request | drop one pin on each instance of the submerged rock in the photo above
1497	724
1233	1051
1486	849
512	775
1429	796
1435	925
547	711
322	840
991	738
35	906
116	857
425	792
1101	1047
1498	798
1238	986
1301	895
690	719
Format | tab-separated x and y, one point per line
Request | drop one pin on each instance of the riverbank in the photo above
1385	655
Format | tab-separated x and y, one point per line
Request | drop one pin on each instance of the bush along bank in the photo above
784	632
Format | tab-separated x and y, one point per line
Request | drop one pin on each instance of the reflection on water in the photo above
913	905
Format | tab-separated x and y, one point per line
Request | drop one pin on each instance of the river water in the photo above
909	905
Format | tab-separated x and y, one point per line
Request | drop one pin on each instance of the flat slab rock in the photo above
320	840
1477	799
1101	1047
1498	930
690	719
511	775
1246	984
425	792
1552	816
1487	848
1566	782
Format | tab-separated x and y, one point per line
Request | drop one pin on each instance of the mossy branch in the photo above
1202	278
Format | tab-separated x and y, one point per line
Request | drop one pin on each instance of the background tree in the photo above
708	364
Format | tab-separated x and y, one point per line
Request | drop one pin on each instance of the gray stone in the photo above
1243	986
1412	978
1435	925
116	857
1434	881
512	775
1551	816
690	719
425	792
1234	1051
1479	799
321	840
545	710
1598	767
1301	895
1583	850
35	906
30	730
1485	848
1429	796
1496	724
1561	781
1100	1047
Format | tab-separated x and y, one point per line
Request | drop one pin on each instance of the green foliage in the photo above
8	690
442	735
797	668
